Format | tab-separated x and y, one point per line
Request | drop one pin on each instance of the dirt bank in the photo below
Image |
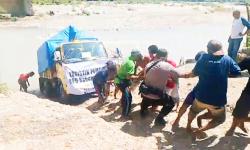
29	122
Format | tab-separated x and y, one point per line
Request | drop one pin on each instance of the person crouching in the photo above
154	90
101	80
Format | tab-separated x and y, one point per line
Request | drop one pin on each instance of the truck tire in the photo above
62	95
41	84
45	87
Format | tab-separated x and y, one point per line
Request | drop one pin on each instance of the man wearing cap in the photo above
123	80
237	34
154	90
213	70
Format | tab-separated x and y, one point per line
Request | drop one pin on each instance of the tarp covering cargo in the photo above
45	53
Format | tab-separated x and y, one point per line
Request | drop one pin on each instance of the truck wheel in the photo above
62	95
41	86
47	89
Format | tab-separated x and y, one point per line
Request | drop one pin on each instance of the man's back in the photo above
158	75
24	77
101	77
213	72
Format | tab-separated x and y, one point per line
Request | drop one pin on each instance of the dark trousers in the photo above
100	90
167	103
23	85
126	97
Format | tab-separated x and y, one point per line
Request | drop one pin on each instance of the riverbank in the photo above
182	28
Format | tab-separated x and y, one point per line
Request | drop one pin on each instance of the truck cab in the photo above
75	64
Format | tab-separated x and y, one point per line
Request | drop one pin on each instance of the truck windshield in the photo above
83	51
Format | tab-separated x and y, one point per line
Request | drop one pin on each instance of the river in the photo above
19	45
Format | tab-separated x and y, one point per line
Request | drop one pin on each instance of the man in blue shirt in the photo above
237	34
101	78
213	70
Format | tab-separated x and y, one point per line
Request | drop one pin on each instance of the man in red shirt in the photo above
23	81
152	50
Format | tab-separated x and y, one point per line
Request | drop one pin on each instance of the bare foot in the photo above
189	130
154	108
175	110
125	118
230	132
175	123
110	109
242	127
101	103
199	124
200	134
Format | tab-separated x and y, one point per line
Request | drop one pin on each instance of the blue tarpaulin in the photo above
45	53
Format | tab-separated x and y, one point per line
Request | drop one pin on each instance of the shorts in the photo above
215	111
242	107
22	83
190	98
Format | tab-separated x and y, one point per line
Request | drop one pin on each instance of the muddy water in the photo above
181	41
19	45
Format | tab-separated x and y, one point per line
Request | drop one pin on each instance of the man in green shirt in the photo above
123	80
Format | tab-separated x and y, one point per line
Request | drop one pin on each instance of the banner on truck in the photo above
79	76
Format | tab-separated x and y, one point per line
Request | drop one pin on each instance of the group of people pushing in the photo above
159	83
160	86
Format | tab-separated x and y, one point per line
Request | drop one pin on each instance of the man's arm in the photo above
133	77
195	72
135	70
187	75
28	82
234	70
246	24
244	63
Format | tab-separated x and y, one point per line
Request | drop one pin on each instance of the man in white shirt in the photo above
237	34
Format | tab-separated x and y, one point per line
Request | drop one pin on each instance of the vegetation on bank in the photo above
48	2
3	88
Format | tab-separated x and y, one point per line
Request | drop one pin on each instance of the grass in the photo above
140	1
3	88
57	2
